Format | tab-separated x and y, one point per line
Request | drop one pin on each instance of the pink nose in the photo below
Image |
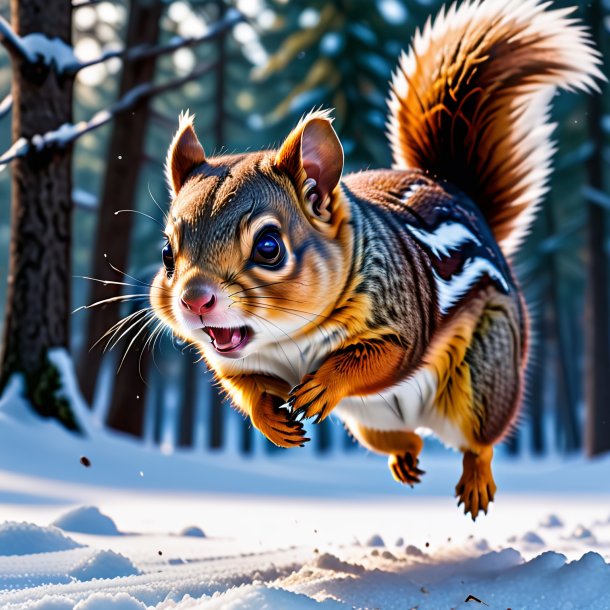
198	298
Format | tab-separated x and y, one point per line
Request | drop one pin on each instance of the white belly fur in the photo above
408	405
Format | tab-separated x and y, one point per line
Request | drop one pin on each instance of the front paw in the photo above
276	423
405	468
312	398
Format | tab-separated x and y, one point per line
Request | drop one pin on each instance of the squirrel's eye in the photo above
269	249
167	255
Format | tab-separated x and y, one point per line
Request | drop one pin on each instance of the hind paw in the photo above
476	488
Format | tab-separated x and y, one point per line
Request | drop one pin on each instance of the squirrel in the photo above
384	296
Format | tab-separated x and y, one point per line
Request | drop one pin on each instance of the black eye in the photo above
269	249
168	259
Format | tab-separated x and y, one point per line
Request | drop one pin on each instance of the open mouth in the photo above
227	340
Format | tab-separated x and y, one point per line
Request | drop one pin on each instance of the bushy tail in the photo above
470	102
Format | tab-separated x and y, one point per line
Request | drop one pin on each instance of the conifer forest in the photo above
86	116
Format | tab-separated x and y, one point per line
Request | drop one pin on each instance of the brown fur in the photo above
367	295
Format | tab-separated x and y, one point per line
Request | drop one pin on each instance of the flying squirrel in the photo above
386	296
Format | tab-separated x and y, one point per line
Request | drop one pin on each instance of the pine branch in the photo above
13	43
69	132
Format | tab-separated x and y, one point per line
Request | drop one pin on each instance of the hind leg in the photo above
402	447
476	488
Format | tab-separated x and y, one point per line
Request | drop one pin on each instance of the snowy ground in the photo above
220	532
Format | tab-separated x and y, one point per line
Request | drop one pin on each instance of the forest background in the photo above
86	118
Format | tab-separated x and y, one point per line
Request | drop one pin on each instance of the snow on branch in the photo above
5	105
69	132
145	51
37	48
14	43
84	199
53	52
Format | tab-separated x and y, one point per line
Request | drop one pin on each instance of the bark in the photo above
597	435
123	163
38	299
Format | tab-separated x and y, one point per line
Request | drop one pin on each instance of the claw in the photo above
404	468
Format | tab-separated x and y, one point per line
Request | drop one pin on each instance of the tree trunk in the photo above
536	380
38	299
123	162
598	306
186	421
567	400
216	417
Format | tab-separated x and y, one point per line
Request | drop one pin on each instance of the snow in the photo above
87	520
28	538
85	199
287	532
104	564
192	531
53	52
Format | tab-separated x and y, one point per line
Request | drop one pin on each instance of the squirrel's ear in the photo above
184	154
313	156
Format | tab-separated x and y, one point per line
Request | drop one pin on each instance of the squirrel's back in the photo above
470	103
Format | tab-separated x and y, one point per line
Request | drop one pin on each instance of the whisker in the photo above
147	313
253	296
117	283
141	214
144	347
131	277
118	325
293	312
133	340
165	215
116	328
289	310
278	343
266	285
123	297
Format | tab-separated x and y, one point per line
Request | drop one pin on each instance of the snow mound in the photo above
532	538
414	551
375	540
104	564
49	602
551	521
328	561
252	597
28	539
105	601
193	531
87	520
581	533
